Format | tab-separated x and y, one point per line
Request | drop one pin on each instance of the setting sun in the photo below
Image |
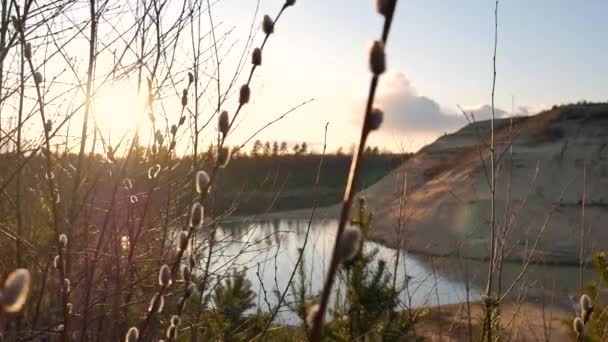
117	108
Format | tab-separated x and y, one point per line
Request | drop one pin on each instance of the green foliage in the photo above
228	321
368	306
234	297
596	328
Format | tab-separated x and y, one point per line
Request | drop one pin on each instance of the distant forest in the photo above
271	176
276	176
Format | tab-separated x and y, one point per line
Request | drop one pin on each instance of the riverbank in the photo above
430	243
521	322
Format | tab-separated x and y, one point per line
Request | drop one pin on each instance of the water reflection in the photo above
269	250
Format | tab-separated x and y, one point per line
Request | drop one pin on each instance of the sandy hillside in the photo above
448	199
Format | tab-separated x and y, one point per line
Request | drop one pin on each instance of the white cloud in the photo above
408	111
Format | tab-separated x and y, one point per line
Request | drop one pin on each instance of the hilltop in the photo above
539	179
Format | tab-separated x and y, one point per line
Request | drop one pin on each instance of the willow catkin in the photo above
153	171
190	289
171	332
132	335
244	94
175	320
16	290
350	243
202	181
157	303
267	24
127	183
223	123
196	215
374	120
28	51
38	78
377	58
182	241
311	314
63	240
164	276
223	157
56	261
385	7
586	307
578	326
184	97
256	56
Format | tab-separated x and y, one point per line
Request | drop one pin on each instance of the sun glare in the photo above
117	109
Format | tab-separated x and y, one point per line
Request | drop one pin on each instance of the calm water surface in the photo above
268	250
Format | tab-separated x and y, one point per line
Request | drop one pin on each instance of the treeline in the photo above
251	183
275	177
275	148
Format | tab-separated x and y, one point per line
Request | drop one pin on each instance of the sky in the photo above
439	56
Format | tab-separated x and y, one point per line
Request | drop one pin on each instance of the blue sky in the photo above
439	56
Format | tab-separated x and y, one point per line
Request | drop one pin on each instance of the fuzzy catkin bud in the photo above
385	7
185	98
202	181
63	240
56	262
175	320
311	314
377	58
132	335
190	289
267	24
28	51
16	290
172	332
586	307
133	199
223	157
374	120
127	183
48	126
186	274
38	77
256	56
153	171
350	243
182	241
16	23
289	3
224	123
157	303
67	285
196	215
173	129
578	326
158	136
244	94
190	78
164	276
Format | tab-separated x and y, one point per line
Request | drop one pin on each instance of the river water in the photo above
268	250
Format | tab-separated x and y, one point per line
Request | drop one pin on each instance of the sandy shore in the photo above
521	322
